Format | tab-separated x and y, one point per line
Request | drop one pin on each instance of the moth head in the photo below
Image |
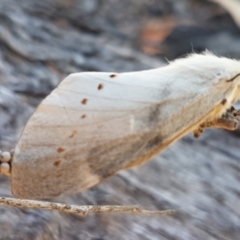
209	67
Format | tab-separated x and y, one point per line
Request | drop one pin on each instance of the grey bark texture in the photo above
43	41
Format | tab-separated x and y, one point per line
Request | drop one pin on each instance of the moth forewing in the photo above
96	124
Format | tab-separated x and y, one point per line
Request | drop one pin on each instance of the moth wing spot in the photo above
83	116
100	86
84	101
61	149
224	101
73	134
57	163
113	75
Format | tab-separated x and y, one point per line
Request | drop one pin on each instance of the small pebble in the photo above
5	156
5	168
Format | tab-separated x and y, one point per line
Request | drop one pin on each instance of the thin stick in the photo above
82	210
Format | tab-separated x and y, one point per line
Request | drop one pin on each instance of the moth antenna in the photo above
232	79
5	162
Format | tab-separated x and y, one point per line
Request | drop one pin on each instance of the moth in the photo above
95	124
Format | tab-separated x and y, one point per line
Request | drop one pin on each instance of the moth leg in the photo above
197	133
5	162
226	123
233	113
229	120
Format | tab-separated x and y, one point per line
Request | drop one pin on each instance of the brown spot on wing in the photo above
57	163
224	101
84	101
74	132
113	75
100	86
83	116
61	149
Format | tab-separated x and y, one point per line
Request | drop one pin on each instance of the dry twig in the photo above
82	210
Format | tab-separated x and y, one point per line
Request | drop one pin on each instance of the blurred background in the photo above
41	42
